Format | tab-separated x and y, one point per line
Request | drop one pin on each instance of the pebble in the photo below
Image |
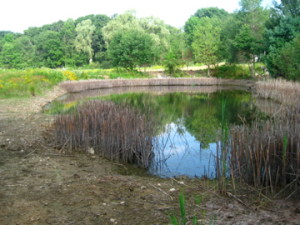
91	151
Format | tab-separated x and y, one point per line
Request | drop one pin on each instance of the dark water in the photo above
188	126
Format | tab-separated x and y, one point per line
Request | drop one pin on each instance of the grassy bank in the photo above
31	82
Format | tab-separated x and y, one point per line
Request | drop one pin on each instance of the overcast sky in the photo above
18	15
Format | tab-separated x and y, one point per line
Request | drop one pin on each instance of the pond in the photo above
187	123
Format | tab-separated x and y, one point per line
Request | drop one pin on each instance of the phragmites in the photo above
267	153
116	132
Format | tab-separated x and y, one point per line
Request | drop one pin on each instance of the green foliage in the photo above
171	63
281	40
124	23
131	49
49	51
183	219
232	71
126	75
32	82
288	60
193	21
249	35
207	41
83	41
173	59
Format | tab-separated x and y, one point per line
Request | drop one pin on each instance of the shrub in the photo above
231	71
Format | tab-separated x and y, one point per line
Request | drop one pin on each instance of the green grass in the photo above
25	83
31	82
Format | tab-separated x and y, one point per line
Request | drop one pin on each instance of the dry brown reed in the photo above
267	153
77	86
115	132
287	92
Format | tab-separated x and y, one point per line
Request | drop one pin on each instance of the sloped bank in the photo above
83	85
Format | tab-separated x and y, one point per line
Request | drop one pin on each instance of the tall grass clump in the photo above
116	132
287	92
267	153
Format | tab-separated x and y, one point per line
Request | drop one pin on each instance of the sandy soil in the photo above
43	185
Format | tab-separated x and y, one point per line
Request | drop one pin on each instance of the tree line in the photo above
250	35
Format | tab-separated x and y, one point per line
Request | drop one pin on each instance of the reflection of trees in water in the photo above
199	113
176	152
196	113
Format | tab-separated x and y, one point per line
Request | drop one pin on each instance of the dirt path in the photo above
42	185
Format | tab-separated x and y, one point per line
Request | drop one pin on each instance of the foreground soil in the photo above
43	185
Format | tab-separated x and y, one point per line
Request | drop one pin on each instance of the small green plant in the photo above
32	90
182	220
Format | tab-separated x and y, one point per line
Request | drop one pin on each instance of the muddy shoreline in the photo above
43	185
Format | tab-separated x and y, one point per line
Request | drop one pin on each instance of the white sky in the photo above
18	15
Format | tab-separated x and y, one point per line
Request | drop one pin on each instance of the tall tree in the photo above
283	27
159	31
193	21
98	43
207	42
49	51
130	49
249	40
83	41
68	37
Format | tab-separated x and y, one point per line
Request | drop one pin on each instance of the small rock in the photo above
122	203
112	220
91	151
172	190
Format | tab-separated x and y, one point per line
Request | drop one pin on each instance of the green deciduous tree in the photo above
173	59
249	40
68	37
288	59
193	21
130	49
83	41
49	51
207	42
156	28
17	52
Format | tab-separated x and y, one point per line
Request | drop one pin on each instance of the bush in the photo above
231	71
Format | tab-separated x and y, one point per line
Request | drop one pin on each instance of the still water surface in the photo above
188	126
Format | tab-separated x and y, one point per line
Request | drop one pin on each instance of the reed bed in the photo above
287	92
116	132
267	153
77	86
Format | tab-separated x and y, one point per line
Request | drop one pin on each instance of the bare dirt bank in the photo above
43	185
